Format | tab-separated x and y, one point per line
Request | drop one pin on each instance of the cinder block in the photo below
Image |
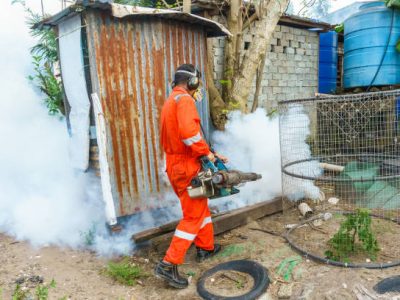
273	82
268	76
219	68
298	57
277	34
283	70
273	68
276	90
300	71
278	49
293	44
219	51
301	38
284	29
290	50
247	37
272	55
273	41
300	51
276	76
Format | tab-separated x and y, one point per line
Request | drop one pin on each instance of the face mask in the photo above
198	95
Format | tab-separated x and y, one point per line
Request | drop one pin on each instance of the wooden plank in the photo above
242	216
222	223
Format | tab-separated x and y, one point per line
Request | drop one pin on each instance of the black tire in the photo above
254	269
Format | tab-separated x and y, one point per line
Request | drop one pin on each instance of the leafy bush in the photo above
45	56
344	242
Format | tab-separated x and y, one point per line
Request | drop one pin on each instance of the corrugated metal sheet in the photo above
132	62
212	28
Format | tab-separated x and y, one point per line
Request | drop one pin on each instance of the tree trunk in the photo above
259	75
238	74
232	45
264	29
218	107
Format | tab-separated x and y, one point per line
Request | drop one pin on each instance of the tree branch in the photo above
263	31
259	75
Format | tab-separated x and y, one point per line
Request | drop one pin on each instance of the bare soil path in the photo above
78	273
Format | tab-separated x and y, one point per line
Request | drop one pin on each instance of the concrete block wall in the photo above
291	66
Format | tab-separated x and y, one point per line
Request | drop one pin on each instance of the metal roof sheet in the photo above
213	29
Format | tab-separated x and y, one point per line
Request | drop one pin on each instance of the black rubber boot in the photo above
169	272
204	254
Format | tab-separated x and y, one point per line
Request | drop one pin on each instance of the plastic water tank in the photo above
328	59
367	46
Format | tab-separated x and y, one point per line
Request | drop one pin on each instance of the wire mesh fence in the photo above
344	149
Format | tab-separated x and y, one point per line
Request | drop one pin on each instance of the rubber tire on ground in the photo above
388	285
254	269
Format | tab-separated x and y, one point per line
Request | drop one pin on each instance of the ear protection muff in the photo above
193	81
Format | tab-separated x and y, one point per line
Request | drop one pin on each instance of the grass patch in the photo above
232	250
124	272
42	291
19	294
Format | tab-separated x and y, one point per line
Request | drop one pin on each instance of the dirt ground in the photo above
78	273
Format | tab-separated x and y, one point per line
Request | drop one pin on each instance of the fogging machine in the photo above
216	181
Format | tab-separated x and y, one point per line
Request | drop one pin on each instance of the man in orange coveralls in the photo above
184	144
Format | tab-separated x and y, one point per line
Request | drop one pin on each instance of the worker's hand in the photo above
221	157
211	157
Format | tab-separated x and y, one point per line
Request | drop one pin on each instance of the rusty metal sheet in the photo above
212	28
132	62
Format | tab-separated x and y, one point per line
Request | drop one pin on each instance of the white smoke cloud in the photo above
251	142
42	199
295	128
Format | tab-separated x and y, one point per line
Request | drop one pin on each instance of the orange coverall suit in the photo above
183	144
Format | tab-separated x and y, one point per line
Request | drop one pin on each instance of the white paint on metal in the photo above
104	167
74	82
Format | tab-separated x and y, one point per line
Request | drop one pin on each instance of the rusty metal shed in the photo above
132	53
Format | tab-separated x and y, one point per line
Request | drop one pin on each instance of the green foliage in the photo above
398	46
226	82
89	236
44	56
149	3
124	272
42	291
344	242
339	28
393	3
45	80
19	294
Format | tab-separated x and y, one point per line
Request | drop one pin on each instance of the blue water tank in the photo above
328	59
367	44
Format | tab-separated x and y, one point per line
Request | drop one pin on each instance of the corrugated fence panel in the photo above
132	62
